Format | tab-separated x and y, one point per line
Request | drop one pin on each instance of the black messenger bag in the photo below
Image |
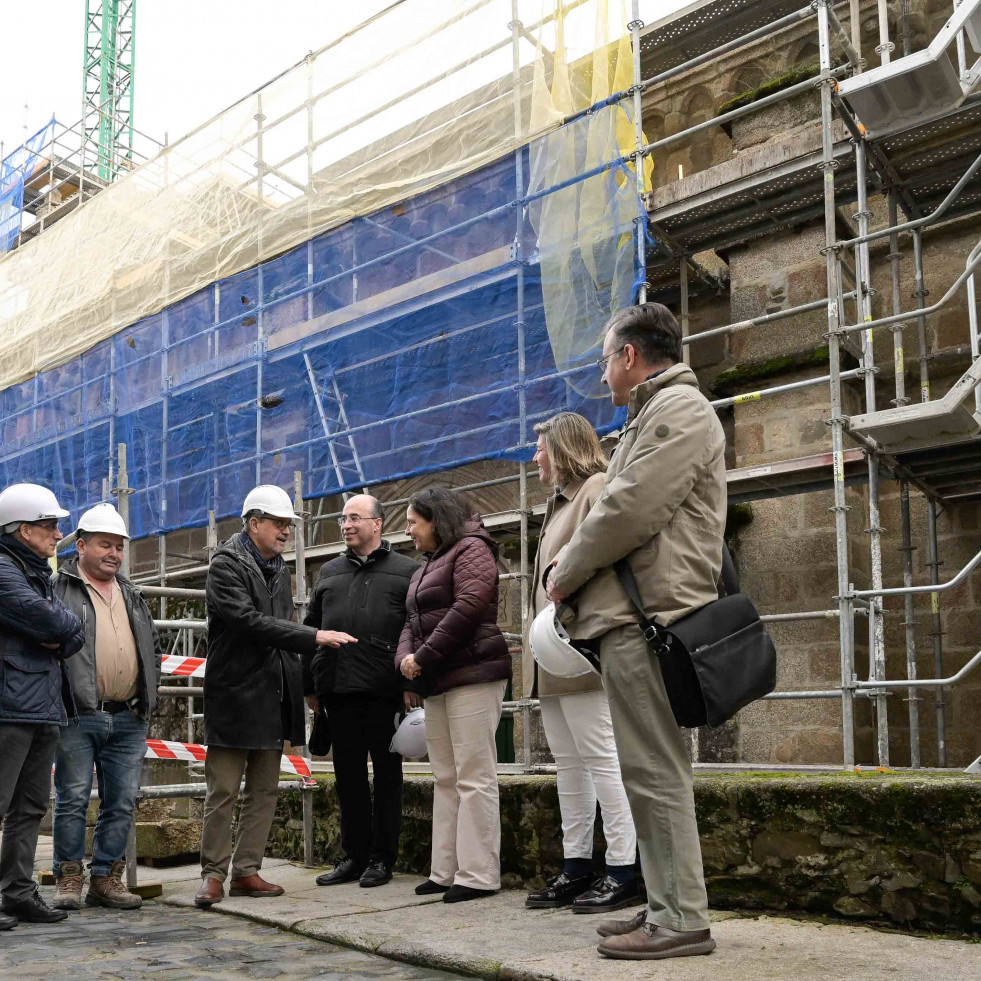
714	661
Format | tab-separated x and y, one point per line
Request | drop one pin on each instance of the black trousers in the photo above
362	726
26	754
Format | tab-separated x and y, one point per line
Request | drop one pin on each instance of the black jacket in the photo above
34	683
366	600
72	591
253	685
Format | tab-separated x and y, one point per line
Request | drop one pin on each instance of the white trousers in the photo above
461	725
580	735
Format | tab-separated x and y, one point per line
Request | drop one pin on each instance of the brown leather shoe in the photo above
210	891
254	886
616	928
653	943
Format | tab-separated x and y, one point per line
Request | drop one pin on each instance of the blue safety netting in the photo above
16	168
409	341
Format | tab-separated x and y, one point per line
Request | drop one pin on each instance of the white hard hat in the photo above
271	500
104	518
555	650
28	502
410	737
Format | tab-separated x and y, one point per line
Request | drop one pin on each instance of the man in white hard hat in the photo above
114	678
37	636
253	692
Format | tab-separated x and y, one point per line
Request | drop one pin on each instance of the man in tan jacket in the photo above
663	507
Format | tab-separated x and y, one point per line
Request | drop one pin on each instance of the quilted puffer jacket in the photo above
34	684
451	616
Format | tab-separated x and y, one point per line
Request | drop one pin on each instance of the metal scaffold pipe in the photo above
877	652
832	260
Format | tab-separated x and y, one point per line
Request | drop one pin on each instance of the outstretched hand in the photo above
334	638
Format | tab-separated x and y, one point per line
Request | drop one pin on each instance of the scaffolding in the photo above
327	329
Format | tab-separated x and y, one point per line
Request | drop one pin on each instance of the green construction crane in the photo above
107	111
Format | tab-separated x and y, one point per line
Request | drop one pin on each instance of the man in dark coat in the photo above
253	692
363	593
37	635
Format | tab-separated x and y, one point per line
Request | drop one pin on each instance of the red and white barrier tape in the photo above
182	667
162	749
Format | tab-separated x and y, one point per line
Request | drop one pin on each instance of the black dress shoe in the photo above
463	894
607	894
560	890
346	871
430	888
34	910
7	922
377	874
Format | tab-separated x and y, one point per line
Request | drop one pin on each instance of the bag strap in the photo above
729	578
625	574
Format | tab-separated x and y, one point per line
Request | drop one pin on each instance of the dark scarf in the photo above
268	567
31	559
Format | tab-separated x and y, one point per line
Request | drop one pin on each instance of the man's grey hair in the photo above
652	330
249	515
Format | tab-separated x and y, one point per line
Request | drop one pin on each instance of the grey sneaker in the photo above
68	887
108	890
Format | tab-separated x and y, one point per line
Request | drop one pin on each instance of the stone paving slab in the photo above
498	938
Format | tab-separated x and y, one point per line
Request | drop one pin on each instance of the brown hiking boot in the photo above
68	887
108	890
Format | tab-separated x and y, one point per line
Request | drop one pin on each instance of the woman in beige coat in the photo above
575	711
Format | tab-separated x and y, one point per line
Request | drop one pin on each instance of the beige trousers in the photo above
657	776
223	770
460	729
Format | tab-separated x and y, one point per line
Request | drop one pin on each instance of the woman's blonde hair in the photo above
573	447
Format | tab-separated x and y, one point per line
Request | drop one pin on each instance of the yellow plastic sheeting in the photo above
419	95
585	230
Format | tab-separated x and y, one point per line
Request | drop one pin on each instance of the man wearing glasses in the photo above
253	692
663	509
37	635
363	592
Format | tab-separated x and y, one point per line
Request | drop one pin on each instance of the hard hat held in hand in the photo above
410	737
104	518
555	651
271	500
28	502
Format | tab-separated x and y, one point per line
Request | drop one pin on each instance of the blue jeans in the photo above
115	745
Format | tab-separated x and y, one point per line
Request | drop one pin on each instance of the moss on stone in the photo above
773	85
735	379
886	847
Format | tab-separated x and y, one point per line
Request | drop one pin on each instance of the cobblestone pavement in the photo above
160	943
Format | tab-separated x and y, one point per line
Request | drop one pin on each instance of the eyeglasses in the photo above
353	519
604	363
283	524
49	524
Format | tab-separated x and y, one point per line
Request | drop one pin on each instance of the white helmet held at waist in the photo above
21	503
410	737
104	518
271	500
554	649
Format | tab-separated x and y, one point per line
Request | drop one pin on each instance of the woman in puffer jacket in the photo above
451	641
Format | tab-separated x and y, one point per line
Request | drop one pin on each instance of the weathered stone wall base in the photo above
876	847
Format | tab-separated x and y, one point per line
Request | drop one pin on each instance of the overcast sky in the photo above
193	57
